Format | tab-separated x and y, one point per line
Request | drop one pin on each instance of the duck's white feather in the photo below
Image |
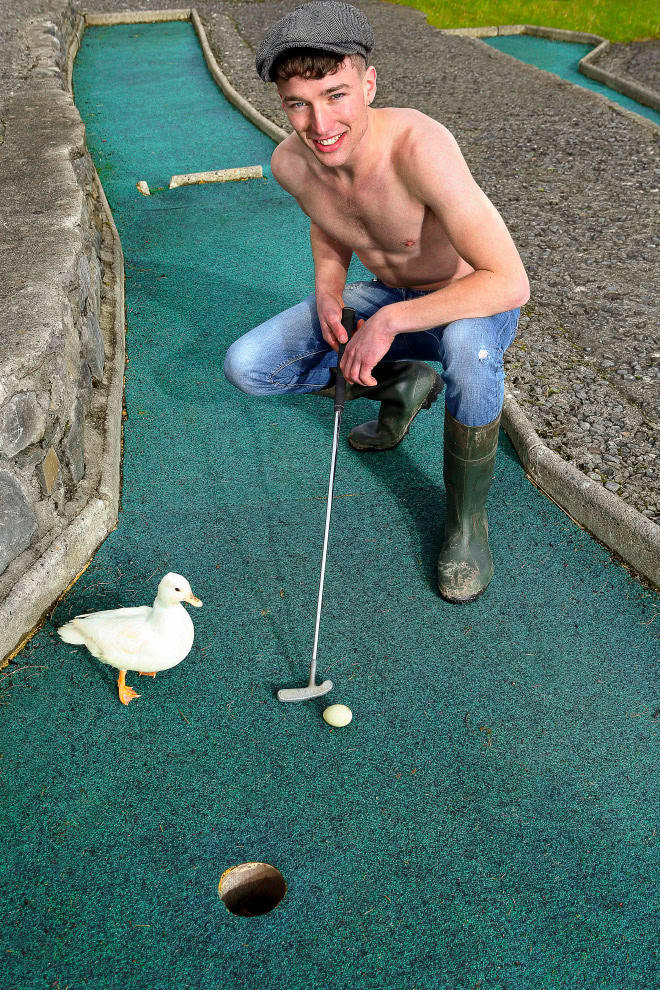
146	638
143	610
139	640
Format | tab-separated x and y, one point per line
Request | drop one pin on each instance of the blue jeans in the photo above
288	353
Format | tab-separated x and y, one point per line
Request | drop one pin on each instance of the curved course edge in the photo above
587	65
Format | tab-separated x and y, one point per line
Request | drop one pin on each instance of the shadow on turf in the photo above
425	523
423	499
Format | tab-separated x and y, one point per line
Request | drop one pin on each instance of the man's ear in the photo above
279	92
369	84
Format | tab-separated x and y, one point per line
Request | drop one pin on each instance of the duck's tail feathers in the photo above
70	634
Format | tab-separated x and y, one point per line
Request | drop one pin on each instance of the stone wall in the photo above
61	340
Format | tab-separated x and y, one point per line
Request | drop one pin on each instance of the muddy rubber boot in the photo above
404	388
465	564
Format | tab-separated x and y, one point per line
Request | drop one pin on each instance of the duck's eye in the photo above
177	589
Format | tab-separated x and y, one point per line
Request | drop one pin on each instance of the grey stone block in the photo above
85	385
22	422
85	280
73	443
91	342
17	520
95	277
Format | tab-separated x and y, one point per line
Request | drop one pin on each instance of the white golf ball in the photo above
337	715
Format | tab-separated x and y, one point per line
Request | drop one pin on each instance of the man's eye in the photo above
338	96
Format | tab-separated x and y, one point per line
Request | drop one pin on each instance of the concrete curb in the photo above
586	64
136	17
110	482
634	90
602	513
234	97
111	468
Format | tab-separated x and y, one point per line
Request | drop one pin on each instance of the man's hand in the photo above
368	345
329	308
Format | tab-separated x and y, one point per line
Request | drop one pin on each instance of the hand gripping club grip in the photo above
348	323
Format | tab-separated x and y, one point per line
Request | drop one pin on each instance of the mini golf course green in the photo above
563	58
488	819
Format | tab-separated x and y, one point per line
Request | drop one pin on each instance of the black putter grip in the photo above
348	323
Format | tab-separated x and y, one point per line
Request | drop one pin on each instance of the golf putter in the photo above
314	690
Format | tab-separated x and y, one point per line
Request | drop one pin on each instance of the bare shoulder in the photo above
427	158
289	166
418	138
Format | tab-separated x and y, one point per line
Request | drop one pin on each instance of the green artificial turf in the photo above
563	58
488	819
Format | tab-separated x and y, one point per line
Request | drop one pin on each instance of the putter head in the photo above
305	693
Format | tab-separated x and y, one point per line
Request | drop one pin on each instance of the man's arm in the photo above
331	259
436	174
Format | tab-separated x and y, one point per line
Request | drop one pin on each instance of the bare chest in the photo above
378	215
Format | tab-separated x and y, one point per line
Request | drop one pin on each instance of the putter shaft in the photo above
331	486
314	690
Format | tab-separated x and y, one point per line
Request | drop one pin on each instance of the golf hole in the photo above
251	889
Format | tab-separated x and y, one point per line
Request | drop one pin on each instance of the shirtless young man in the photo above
392	187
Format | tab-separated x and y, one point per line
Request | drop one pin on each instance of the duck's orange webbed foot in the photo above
126	693
145	673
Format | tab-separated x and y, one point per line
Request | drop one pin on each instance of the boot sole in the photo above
434	392
464	601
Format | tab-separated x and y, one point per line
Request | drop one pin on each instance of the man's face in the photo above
330	115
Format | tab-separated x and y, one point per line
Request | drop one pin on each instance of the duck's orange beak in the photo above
193	600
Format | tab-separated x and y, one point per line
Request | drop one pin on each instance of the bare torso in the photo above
393	233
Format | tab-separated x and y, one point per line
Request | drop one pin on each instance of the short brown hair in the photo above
312	63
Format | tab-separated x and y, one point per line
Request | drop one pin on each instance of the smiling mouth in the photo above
328	143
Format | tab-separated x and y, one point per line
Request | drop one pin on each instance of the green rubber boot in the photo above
465	565
404	388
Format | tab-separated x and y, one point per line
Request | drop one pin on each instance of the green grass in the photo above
617	20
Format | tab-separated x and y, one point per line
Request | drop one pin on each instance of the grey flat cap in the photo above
323	24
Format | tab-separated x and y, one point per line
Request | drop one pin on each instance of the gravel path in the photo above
575	179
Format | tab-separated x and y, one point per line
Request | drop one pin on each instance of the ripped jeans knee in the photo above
472	355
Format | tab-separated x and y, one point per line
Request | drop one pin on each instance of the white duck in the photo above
146	639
